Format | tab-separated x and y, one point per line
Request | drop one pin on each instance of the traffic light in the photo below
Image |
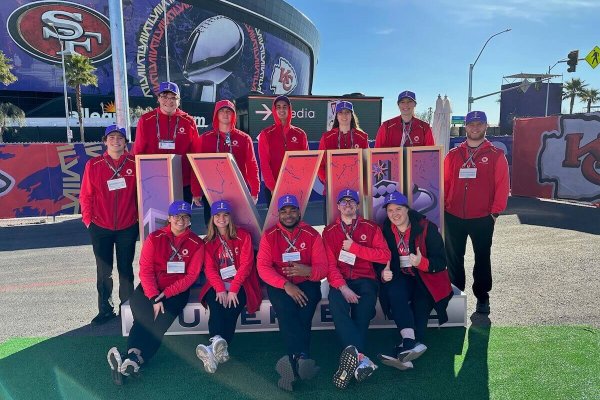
572	59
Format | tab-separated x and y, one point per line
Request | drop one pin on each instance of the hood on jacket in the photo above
274	110
218	105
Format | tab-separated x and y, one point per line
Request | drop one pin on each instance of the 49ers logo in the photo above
39	28
284	79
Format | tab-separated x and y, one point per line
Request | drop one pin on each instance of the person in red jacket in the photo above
476	188
232	283
168	130
292	261
224	137
405	130
275	140
353	244
170	262
108	201
415	281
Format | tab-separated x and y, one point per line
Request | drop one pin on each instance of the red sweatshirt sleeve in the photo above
381	137
252	169
246	265
264	155
147	274
334	276
139	145
305	141
424	264
318	260
502	185
322	168
447	179
211	268
379	253
194	183
429	140
264	265
192	270
86	195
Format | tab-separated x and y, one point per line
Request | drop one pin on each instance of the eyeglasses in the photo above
181	217
170	98
348	202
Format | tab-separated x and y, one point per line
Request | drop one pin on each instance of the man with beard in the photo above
476	187
292	261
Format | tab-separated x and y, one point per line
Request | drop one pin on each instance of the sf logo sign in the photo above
284	79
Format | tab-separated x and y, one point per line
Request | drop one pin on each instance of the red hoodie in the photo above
274	141
155	255
116	209
241	147
483	195
332	140
390	133
179	127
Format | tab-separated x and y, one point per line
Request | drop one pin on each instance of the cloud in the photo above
385	31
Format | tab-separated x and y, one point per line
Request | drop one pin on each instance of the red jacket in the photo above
155	254
332	140
273	142
483	195
246	275
389	133
115	209
146	140
241	147
273	245
369	246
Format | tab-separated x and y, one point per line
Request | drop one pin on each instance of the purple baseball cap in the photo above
353	194
115	128
287	200
219	207
396	198
407	94
343	105
168	87
281	98
180	207
475	116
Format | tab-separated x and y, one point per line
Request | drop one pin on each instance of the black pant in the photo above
268	196
187	194
352	320
295	322
222	321
480	230
146	333
104	243
411	303
206	210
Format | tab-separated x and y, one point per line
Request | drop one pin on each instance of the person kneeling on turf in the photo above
415	281
170	263
232	283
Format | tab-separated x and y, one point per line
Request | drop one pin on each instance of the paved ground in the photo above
545	261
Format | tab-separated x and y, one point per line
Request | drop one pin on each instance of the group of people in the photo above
405	263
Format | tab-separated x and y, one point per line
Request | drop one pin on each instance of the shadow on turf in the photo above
75	367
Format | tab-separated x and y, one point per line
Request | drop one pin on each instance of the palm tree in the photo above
10	114
80	72
571	90
590	96
6	77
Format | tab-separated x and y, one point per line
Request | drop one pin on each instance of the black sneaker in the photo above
131	365
286	373
411	353
347	367
115	363
306	368
103	317
483	306
391	359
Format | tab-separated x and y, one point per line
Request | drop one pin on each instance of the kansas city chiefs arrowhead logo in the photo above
6	183
284	79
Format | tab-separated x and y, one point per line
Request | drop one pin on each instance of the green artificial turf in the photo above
555	362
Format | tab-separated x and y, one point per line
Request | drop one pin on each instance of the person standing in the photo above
476	187
275	140
109	211
170	262
405	130
168	130
232	283
224	137
292	261
353	244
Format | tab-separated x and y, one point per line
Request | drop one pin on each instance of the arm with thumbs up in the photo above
387	274
346	244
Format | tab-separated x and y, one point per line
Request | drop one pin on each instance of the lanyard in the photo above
168	119
402	245
292	244
175	251
116	171
471	156
227	141
351	139
343	225
226	247
406	132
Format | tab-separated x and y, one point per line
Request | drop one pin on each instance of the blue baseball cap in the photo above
115	128
475	116
353	194
407	94
220	206
287	200
282	98
168	87
180	207
343	105
396	198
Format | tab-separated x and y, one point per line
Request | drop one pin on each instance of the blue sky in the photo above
382	47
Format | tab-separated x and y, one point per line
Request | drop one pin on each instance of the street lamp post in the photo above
548	84
62	54
471	66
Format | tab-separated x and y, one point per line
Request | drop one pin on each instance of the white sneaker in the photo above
206	355
412	354
365	369
115	362
219	349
